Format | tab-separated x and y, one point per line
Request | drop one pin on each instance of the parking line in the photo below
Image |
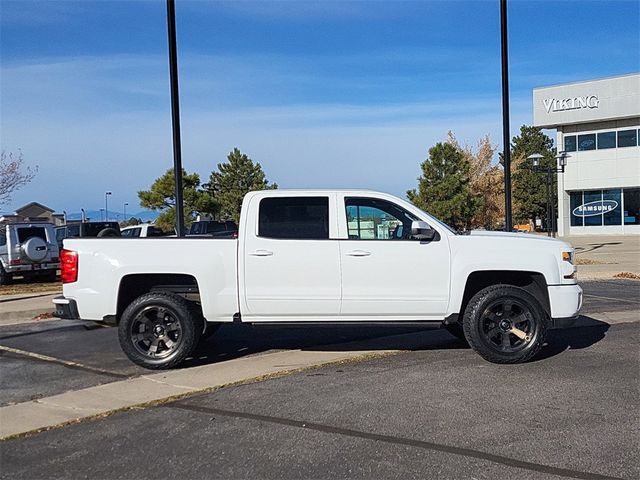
60	361
438	447
612	298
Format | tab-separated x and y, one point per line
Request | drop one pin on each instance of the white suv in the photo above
28	249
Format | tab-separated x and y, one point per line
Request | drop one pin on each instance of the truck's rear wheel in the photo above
505	324
159	330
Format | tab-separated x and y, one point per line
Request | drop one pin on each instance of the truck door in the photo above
290	263
386	274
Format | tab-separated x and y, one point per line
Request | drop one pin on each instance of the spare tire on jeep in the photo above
35	249
108	232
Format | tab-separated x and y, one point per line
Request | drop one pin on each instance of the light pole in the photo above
106	208
175	114
506	135
124	212
537	168
102	214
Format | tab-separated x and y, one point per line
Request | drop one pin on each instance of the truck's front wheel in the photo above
505	324
159	330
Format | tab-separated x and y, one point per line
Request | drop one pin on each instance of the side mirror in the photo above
421	230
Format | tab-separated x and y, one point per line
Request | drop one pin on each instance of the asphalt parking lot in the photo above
438	411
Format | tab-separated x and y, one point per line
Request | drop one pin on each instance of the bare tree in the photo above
13	174
485	181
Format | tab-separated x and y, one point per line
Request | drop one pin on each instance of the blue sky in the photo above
323	94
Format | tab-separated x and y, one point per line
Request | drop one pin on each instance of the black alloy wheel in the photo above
159	330
505	324
155	332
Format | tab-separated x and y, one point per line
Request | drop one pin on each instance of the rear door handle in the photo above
261	253
358	253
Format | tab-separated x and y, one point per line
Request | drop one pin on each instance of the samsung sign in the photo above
595	208
573	103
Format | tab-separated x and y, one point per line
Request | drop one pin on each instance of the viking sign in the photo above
598	207
573	103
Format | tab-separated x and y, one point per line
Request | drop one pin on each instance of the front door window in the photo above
375	219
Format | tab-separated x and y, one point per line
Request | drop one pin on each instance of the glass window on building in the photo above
627	138
612	206
570	143
575	201
632	206
606	140
587	142
592	210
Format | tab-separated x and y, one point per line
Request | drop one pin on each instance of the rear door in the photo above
290	258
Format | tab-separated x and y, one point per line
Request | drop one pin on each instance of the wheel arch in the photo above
532	282
134	285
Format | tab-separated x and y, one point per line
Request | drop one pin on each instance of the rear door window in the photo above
26	233
295	218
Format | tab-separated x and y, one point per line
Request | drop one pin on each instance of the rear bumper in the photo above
565	302
65	308
31	267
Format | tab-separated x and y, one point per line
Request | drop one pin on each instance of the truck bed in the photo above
105	262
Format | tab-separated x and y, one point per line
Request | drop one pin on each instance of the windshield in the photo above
432	219
93	229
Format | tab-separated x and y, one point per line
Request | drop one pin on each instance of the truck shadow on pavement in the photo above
235	341
575	338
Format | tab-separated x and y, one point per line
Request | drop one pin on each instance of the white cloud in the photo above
97	124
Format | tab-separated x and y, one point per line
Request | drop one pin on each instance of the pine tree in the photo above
443	188
529	187
161	196
233	180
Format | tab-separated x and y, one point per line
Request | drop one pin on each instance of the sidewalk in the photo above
22	308
603	256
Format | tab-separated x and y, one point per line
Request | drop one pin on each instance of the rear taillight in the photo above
17	261
68	266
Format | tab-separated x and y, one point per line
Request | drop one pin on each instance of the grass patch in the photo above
39	287
589	261
631	275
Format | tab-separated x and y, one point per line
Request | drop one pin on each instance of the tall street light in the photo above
124	211
561	158
106	206
175	114
506	135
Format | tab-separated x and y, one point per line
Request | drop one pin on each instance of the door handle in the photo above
358	253
261	253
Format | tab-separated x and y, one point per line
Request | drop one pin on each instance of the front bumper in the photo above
565	302
65	308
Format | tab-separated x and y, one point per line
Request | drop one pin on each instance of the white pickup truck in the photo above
316	256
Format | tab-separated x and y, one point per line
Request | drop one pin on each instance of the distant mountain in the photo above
97	215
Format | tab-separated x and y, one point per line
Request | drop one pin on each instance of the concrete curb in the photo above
73	406
27	296
24	314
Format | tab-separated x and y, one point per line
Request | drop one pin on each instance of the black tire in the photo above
492	312
159	330
456	330
5	278
108	232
